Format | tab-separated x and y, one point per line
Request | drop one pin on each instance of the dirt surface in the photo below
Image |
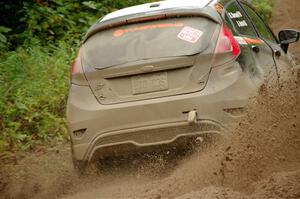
286	15
261	160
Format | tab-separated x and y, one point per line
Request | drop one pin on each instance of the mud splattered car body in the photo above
157	73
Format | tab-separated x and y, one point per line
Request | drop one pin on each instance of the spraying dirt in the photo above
261	160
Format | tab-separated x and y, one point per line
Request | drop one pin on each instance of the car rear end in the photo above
154	80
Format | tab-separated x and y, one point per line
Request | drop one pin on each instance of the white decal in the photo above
235	15
241	40
190	34
242	23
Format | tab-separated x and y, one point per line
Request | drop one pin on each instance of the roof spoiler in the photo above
206	12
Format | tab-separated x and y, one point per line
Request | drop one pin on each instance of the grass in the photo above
33	83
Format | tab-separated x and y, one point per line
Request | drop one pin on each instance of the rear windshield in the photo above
149	40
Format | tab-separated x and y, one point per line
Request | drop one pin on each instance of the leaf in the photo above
4	29
20	137
2	38
90	4
82	20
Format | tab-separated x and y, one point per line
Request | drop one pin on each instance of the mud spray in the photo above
260	160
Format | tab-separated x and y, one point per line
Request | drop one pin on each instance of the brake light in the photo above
226	42
76	67
77	75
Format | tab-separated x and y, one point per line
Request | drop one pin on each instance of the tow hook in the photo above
199	140
192	117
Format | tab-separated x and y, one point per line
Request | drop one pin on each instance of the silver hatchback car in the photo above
158	73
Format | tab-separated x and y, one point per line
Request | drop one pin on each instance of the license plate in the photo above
149	83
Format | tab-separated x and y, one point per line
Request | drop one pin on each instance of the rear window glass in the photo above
149	40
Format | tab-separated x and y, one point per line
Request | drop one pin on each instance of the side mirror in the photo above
287	37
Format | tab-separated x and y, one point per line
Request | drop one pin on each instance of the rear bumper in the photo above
145	138
149	122
156	121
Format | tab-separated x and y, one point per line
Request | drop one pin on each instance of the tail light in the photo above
76	74
76	67
226	45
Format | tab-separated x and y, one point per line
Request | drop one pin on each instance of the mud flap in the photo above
80	166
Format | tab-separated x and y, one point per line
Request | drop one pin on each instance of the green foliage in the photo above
3	39
264	7
33	84
34	73
53	20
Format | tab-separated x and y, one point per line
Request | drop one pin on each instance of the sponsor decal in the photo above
248	41
190	34
241	40
234	15
120	32
253	41
238	15
242	23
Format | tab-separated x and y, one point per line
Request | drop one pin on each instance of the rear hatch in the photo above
149	59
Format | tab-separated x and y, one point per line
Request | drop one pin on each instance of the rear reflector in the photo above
79	132
226	42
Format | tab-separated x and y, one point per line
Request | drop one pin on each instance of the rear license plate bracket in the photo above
148	83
